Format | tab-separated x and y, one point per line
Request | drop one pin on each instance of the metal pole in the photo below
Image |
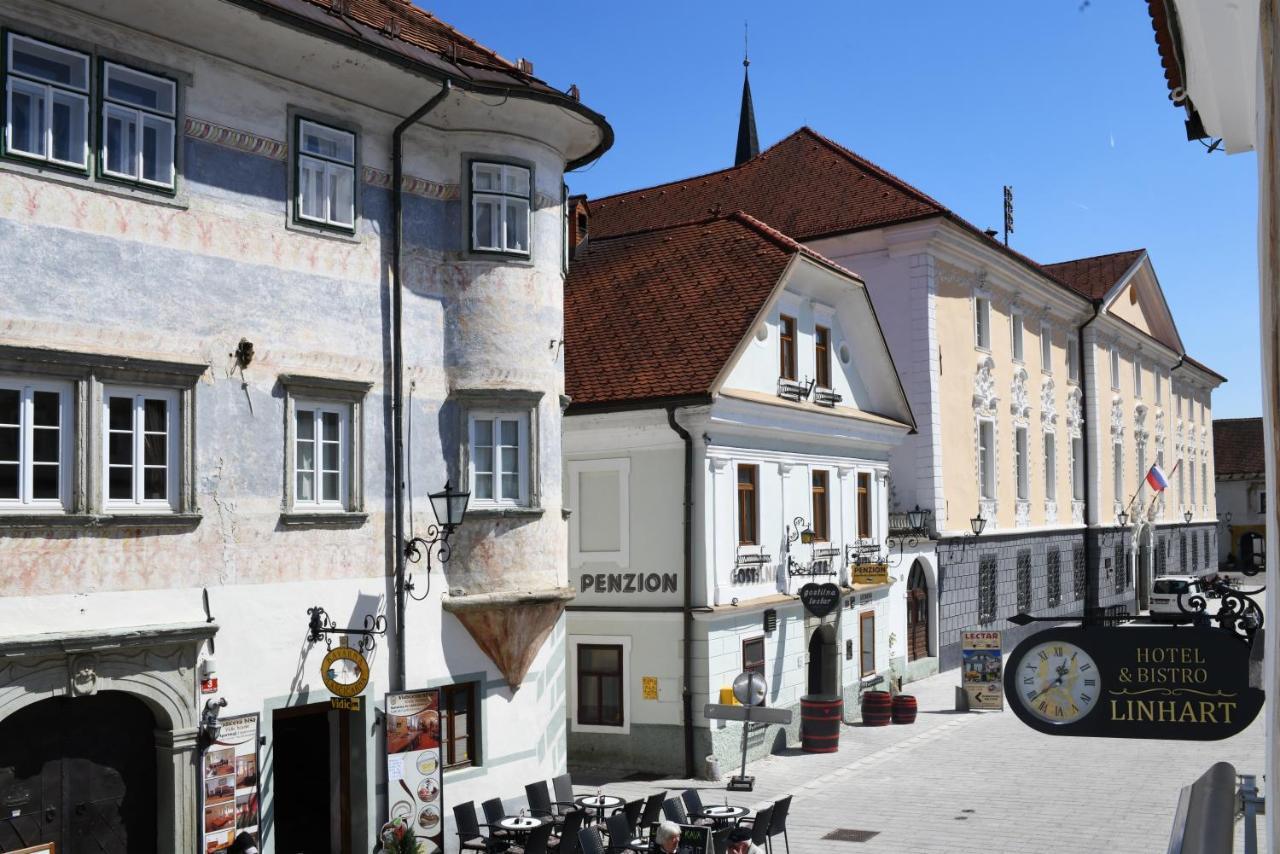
746	724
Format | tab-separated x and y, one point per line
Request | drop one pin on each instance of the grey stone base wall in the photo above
649	748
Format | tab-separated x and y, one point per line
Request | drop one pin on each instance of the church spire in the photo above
748	144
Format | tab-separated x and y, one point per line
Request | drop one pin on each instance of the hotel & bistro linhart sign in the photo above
1133	682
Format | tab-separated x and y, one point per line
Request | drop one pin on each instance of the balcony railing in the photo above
826	397
792	390
900	523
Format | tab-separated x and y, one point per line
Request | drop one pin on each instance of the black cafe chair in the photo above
589	841
651	813
562	788
540	802
536	842
673	809
470	837
778	822
566	841
760	827
621	837
631	810
495	812
694	808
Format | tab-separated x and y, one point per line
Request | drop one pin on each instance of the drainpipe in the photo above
1090	563
688	590
397	373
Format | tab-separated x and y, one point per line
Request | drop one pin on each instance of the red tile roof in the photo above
806	186
1238	446
1093	277
657	314
1202	366
1167	41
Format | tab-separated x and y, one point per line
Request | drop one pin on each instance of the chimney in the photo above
525	66
579	219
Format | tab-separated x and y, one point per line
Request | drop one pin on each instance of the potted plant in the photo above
397	837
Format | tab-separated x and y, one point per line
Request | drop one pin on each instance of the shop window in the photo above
988	569
600	685
1024	581
867	638
748	505
1053	573
459	724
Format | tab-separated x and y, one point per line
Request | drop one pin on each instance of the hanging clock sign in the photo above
1133	682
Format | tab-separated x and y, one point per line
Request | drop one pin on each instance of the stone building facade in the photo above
197	388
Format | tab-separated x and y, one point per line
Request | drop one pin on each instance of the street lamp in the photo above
1187	516
450	508
1123	518
978	524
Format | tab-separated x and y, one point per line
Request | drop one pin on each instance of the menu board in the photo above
230	780
695	839
981	669
414	764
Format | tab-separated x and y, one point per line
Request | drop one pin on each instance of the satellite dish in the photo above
749	688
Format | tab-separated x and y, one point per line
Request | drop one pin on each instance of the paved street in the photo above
979	782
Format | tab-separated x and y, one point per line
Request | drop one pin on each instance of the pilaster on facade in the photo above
921	381
1092	399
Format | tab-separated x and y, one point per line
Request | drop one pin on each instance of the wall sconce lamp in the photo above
978	524
450	508
209	726
1123	518
1187	516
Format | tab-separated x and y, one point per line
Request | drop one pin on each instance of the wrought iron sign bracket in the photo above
322	627
435	545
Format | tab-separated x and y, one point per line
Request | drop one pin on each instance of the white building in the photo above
214	379
1242	492
721	370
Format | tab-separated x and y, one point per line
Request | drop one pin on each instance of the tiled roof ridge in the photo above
408	4
862	162
1095	257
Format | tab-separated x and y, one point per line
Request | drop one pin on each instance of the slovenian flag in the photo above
1156	478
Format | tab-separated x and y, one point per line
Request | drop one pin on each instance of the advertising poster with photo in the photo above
414	764
981	669
230	780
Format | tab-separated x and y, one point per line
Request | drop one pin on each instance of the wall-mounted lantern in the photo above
450	508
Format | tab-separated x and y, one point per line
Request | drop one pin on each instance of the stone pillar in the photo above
178	772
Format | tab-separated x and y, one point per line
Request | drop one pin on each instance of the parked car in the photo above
1166	590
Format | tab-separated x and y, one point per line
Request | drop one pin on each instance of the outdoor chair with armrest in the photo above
562	788
631	810
540	802
694	808
470	837
495	812
621	837
778	822
589	841
651	814
673	808
566	841
535	844
760	827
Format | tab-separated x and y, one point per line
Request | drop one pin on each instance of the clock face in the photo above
1058	682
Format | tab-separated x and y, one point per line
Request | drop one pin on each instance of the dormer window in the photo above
500	204
787	347
822	356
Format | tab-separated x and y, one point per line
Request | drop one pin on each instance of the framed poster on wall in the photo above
415	785
230	784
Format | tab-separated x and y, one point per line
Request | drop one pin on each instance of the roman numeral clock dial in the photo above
1057	682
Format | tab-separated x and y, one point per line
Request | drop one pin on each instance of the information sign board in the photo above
981	668
415	785
230	781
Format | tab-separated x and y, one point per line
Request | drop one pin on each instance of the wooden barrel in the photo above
904	709
877	708
820	723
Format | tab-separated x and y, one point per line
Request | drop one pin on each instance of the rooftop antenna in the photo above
1008	212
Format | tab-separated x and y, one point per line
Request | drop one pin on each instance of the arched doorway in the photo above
917	612
80	773
824	664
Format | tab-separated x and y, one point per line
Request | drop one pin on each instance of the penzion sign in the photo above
1133	682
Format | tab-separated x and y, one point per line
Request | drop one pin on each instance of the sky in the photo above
1065	100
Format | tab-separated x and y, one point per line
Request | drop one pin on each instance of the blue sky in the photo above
1067	104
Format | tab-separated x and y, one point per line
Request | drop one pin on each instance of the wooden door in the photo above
917	613
79	773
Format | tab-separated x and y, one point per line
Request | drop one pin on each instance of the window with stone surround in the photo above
982	322
36	432
459	725
1078	571
1024	581
324	474
325	175
139	126
1021	465
141	448
499	451
1053	577
1115	368
1016	329
1073	359
501	201
600	685
988	582
46	103
986	459
1050	467
1046	348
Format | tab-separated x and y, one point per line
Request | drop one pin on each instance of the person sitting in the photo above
667	837
739	842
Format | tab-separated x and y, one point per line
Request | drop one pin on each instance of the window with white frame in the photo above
982	322
1192	468
46	102
1050	467
140	429
1155	378
1020	461
1073	359
1046	349
499	459
321	454
1137	377
35	445
1202	413
1077	468
1016	328
139	116
1115	369
500	205
325	175
1117	471
986	459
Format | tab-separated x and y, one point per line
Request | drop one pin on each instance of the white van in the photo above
1167	589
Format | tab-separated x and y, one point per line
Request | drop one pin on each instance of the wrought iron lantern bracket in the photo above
322	627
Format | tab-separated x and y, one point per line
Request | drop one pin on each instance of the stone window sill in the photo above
85	520
504	512
323	520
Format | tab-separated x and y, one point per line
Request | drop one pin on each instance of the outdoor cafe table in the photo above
599	803
521	825
723	815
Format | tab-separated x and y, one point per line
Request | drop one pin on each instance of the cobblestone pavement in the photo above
976	782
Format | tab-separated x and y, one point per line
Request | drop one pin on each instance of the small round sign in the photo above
357	664
749	688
